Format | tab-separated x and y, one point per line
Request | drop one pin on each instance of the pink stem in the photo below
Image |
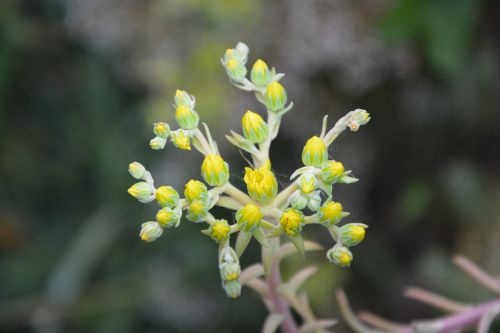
280	305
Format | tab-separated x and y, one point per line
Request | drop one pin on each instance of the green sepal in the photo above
242	242
260	236
298	242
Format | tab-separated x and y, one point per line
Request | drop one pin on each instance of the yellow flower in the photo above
331	171
352	234
330	212
254	127
186	118
261	183
292	221
167	217
260	74
195	190
167	196
219	230
315	152
340	255
197	211
214	170
275	96
162	130
307	183
249	217
181	140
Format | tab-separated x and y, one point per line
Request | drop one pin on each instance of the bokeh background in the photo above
81	82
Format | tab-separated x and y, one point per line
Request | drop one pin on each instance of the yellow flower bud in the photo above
142	191
249	216
315	152
167	217
230	271
307	183
340	255
292	221
330	213
254	127
157	143
261	183
180	139
352	234
232	288
331	171
167	196
214	170
161	130
219	230
150	231
275	96
260	74
137	170
186	118
195	190
235	69
197	211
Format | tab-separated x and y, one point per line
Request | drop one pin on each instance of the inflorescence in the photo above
263	212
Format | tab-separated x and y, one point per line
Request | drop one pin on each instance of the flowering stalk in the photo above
262	213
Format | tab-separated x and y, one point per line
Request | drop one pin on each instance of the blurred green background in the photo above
81	82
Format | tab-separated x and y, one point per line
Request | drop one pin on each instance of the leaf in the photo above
242	241
317	325
298	242
272	323
259	286
288	249
300	277
251	272
347	180
260	236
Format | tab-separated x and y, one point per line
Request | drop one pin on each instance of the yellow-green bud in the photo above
249	216
235	69
359	117
307	183
292	221
314	201
142	191
275	96
161	130
197	211
180	139
137	170
298	200
183	98
260	74
254	127
339	255
167	196
186	118
232	288
331	171
352	234
157	143
315	152
168	217
219	230
230	271
195	190
214	170
330	213
261	183
150	231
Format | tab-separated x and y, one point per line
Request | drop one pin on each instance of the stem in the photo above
280	305
203	141
272	123
283	196
237	194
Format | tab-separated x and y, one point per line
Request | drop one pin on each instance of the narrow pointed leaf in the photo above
317	325
242	241
260	236
272	323
288	249
299	278
251	272
259	286
298	242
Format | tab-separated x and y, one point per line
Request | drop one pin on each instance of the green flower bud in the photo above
298	200
260	74
249	216
167	196
168	217
358	118
230	271
315	152
339	255
195	190
137	170
254	127
352	234
275	96
314	201
232	288
197	211
214	170
235	69
187	118
142	191
331	171
157	143
330	213
183	98
161	130
150	231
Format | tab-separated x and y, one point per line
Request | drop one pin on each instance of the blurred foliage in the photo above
75	109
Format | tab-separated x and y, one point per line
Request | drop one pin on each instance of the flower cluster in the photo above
263	212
